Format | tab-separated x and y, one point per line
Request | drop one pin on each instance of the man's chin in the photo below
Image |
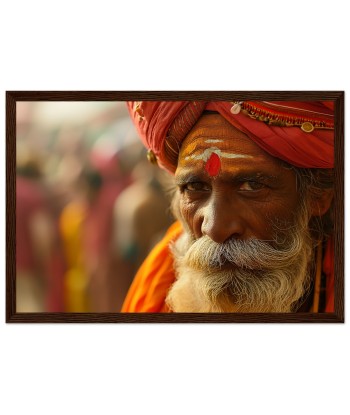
230	289
204	291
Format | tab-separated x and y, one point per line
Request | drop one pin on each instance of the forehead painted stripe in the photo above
235	156
212	140
207	153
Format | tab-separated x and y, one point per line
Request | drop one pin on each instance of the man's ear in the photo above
320	204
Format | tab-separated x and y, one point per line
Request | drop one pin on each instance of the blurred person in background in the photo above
98	232
35	235
72	223
86	223
114	265
141	216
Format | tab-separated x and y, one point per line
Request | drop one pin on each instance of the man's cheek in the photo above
190	216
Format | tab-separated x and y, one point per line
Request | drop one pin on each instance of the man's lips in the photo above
224	266
230	266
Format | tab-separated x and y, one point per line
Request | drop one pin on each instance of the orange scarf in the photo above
154	278
156	275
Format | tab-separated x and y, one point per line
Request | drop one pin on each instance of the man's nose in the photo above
222	220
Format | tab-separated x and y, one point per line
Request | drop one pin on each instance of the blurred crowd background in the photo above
89	206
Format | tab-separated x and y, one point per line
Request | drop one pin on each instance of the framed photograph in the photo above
175	207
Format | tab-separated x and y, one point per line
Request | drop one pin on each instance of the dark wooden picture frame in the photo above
12	97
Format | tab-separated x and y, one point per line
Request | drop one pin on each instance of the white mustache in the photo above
246	254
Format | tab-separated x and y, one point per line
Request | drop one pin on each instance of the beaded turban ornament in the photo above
298	132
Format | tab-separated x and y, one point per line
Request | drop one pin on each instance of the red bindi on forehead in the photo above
213	165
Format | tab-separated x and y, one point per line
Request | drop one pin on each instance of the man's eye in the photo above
250	186
196	187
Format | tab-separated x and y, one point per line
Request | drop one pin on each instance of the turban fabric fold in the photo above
275	126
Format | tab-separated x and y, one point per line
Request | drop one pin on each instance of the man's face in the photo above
247	246
229	187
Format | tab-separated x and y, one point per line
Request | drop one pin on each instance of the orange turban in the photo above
298	132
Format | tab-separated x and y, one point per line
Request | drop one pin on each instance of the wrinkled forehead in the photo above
214	135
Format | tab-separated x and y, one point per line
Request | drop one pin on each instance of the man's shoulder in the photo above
154	278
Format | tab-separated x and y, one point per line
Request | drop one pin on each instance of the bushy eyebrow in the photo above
184	178
190	177
258	176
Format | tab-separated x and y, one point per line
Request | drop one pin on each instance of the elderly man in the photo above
253	199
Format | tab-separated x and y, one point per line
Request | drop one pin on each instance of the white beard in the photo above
200	288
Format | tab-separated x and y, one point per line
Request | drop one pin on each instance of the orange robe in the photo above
156	275
154	278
